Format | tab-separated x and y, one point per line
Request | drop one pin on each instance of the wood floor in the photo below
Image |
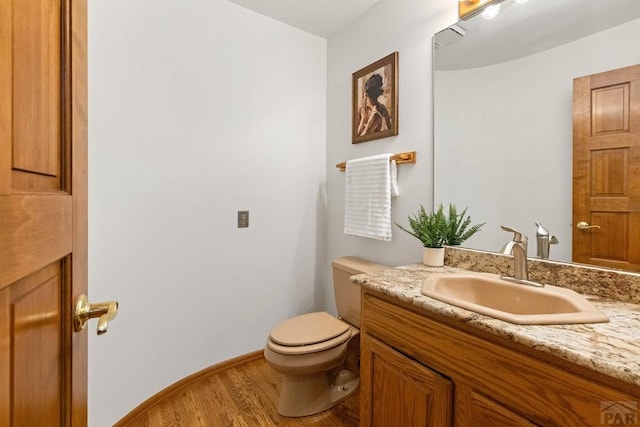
239	392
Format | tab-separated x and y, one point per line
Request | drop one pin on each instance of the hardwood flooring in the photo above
241	392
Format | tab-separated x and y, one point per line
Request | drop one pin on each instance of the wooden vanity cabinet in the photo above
421	371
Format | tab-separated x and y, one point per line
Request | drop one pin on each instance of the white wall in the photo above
517	136
199	108
405	26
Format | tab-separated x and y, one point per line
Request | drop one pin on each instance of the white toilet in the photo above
317	353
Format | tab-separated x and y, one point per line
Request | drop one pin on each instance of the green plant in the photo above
435	229
459	230
430	228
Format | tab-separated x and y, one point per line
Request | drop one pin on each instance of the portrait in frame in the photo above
375	100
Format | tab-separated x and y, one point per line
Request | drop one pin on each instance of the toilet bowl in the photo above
317	353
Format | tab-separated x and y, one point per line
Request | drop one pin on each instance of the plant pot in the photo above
433	257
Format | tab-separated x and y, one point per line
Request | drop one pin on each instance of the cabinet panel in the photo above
401	391
473	409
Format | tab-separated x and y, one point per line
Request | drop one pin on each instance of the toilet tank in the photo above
347	294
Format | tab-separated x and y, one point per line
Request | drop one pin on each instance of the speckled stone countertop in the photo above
612	348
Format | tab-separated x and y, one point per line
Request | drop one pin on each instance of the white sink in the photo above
516	303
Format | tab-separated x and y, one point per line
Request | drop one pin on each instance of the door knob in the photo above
104	311
583	225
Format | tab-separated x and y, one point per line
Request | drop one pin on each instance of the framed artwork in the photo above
375	100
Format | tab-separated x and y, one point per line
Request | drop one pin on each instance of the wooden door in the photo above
606	169
403	392
43	211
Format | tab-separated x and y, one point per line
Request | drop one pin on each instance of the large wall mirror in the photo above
503	110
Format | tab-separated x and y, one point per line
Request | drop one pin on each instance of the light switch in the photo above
243	219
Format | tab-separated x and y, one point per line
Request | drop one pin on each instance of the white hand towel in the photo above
370	183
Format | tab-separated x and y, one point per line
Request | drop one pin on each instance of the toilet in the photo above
318	354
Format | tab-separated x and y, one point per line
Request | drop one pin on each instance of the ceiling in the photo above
320	17
524	29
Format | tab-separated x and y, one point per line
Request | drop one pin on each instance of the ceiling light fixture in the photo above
468	8
491	11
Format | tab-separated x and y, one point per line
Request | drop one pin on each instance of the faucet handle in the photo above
517	236
541	230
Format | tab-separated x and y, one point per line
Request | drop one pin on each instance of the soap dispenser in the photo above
544	241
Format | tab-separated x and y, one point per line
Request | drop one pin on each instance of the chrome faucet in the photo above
544	240
518	248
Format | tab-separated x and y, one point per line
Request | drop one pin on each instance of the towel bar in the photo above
408	157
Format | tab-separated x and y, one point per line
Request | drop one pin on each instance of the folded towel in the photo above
370	183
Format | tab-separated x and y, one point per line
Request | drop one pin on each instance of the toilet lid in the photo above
298	350
311	328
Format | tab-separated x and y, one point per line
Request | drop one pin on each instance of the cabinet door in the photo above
473	409
398	391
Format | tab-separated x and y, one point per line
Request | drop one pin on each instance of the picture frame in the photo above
375	100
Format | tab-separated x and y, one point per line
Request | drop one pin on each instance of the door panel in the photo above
610	109
6	72
43	211
606	168
609	173
612	245
35	325
36	86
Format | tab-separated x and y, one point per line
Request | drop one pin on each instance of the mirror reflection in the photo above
503	92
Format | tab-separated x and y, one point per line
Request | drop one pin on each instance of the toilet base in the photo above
303	395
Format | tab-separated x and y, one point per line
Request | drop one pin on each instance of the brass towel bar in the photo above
408	157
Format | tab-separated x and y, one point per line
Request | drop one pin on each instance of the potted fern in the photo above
436	229
459	228
431	229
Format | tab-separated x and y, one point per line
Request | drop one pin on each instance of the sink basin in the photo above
516	303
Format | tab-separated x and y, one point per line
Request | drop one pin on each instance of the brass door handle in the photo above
583	225
105	311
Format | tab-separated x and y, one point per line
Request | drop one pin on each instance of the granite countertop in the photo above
612	348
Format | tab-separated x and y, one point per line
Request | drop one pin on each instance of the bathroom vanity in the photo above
425	362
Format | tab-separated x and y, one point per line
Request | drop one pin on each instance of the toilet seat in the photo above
309	333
